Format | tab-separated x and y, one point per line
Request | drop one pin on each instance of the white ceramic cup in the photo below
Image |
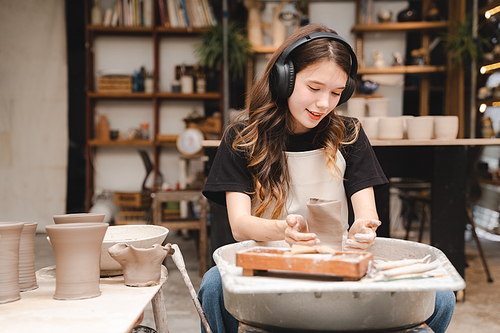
377	107
370	126
445	127
356	107
420	128
390	128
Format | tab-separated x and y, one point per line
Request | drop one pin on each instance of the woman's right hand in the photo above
297	231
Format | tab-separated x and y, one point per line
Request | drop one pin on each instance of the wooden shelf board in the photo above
171	95
403	70
123	143
400	26
181	31
133	95
119	30
264	49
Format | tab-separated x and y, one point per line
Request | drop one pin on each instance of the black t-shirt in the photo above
229	172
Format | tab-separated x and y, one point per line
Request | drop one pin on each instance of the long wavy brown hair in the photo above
263	140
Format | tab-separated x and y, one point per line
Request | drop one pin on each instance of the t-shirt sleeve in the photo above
228	172
362	167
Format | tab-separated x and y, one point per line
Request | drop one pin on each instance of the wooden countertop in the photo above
406	142
114	311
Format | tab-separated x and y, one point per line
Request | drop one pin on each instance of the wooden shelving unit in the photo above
425	29
155	33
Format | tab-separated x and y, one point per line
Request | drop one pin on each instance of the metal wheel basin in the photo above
318	305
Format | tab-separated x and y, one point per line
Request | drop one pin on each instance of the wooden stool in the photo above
191	224
423	328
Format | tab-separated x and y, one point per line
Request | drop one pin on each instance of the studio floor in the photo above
477	313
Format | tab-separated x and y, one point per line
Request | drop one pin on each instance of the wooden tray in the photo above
345	265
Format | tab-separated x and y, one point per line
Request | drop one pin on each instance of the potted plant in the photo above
210	51
461	45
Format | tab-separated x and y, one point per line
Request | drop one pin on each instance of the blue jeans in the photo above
221	321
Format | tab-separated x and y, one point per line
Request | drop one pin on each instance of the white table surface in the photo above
115	310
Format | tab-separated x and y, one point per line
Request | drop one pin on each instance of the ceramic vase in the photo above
77	249
27	276
141	266
10	236
78	218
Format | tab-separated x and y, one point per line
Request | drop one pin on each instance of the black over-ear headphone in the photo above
283	72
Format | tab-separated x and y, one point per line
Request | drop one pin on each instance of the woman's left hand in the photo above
362	234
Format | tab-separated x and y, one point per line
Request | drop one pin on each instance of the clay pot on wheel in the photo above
77	249
27	276
10	236
141	267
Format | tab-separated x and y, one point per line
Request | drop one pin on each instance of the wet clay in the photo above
141	266
325	220
10	236
78	218
27	275
77	249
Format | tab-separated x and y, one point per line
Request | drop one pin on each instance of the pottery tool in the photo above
181	266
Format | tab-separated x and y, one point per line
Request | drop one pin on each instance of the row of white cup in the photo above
377	107
410	127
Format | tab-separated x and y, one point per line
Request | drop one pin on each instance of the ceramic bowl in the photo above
367	87
420	128
390	128
78	218
140	236
445	127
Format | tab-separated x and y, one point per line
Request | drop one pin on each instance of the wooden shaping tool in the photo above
345	265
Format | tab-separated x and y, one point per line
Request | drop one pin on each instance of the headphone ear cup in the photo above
290	80
348	91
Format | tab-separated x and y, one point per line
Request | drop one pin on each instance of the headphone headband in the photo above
317	35
284	71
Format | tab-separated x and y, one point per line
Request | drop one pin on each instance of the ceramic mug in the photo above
420	128
370	126
390	128
377	107
356	107
445	127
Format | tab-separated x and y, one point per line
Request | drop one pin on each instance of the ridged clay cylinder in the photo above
27	275
10	236
77	249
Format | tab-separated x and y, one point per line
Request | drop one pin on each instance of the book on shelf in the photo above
186	13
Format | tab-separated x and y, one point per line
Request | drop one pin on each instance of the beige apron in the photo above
310	179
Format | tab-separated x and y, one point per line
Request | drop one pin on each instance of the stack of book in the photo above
130	13
186	13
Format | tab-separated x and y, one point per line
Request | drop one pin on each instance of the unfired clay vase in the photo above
27	276
141	267
78	218
10	236
324	219
77	249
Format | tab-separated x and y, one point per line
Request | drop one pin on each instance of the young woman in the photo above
294	147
